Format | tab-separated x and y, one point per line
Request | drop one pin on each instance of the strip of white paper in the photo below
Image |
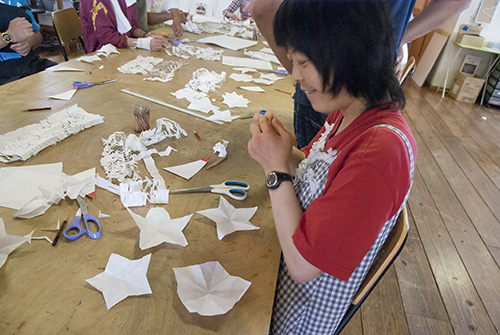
246	62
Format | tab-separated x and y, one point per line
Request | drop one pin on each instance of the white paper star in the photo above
208	289
9	243
157	227
230	219
122	278
235	100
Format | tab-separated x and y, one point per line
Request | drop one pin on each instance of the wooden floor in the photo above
447	278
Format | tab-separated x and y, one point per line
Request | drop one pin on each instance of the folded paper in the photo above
157	227
188	170
208	289
230	219
122	278
9	243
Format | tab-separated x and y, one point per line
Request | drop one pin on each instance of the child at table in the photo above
335	201
245	7
115	22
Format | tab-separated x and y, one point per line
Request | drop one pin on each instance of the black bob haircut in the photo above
350	42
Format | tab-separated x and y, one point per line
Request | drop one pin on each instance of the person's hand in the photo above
23	48
179	19
157	42
271	143
232	16
20	29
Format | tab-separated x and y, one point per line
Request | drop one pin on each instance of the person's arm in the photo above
433	16
23	48
263	12
156	18
20	29
177	15
229	11
271	146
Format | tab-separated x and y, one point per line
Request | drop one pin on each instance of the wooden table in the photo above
43	288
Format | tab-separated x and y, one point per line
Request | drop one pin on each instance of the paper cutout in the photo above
270	76
246	62
223	116
203	105
107	50
64	96
157	227
262	56
220	147
80	184
46	238
153	68
89	59
208	289
188	170
263	81
122	278
185	51
245	69
136	193
167	151
64	69
235	100
241	77
9	243
102	215
22	143
230	219
228	42
267	51
252	88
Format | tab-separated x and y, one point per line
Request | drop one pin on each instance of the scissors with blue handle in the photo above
76	223
84	84
234	189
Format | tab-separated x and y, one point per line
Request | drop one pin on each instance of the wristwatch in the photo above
7	38
275	178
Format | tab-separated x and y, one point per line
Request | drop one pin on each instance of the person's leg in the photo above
306	122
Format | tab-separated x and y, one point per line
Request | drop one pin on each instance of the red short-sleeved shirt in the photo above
367	183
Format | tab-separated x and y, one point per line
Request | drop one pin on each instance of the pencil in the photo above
59	233
38	109
196	134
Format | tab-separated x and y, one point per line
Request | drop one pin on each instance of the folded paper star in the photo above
122	278
235	100
9	243
157	227
208	289
230	219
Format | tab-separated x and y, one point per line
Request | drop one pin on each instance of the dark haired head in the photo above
350	42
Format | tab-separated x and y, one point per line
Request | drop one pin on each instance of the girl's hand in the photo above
232	16
158	42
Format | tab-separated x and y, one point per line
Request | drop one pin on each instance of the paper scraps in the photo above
203	105
102	215
220	147
241	77
230	219
263	56
89	59
246	62
188	170
25	142
154	68
136	193
208	289
202	82
122	278
234	100
107	50
185	51
224	116
228	42
63	68
9	243
157	227
252	88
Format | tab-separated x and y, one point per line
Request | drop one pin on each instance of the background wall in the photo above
491	32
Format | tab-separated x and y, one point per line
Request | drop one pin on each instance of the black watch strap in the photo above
275	178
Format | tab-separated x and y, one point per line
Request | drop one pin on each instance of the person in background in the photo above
335	201
115	22
160	11
245	7
307	121
20	37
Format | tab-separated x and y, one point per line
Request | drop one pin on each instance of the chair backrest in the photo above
408	71
68	27
384	259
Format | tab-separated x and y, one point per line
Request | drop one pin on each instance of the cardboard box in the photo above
466	88
471	40
470	29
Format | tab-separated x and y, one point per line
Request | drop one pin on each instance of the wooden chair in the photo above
384	259
68	27
408	71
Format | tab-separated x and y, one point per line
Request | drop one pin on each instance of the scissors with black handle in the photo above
76	227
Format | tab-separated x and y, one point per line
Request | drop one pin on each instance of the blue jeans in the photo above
306	123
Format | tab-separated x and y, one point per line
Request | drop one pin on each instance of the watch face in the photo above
271	179
7	37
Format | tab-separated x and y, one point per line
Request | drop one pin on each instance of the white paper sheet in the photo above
235	100
122	278
246	62
224	115
89	59
228	42
188	170
9	243
230	219
64	96
157	227
64	69
246	78
107	50
208	289
252	88
203	105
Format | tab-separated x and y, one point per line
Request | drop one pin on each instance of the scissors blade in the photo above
193	190
82	204
106	82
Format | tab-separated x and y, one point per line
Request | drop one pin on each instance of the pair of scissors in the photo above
75	225
84	84
234	189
